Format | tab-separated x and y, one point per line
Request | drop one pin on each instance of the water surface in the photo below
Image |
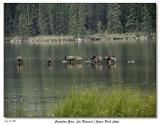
34	87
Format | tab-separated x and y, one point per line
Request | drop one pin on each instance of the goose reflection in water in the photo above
96	67
111	65
73	66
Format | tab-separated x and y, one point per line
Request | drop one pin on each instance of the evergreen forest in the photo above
32	19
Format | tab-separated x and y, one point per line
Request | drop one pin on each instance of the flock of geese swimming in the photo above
110	60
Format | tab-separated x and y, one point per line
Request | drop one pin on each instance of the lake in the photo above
33	88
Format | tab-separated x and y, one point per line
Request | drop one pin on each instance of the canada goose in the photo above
50	61
73	58
113	59
110	59
96	59
19	60
93	57
69	58
99	58
77	58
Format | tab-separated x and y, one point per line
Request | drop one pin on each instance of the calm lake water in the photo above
35	87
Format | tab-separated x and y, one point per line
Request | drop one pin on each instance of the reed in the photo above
108	102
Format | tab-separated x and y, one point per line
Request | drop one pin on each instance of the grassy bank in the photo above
95	102
40	39
93	37
108	102
50	38
122	36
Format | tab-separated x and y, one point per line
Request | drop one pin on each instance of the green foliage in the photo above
33	10
81	20
114	24
8	19
73	19
58	14
108	102
132	19
77	19
99	26
147	20
24	26
44	19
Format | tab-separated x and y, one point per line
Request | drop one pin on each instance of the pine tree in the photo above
33	13
99	27
81	20
101	12
60	19
24	25
147	20
7	20
66	18
73	19
43	24
124	8
91	21
58	15
9	15
114	24
133	22
152	11
51	17
15	26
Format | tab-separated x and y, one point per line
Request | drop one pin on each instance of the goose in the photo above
113	59
77	58
99	58
69	58
96	59
73	58
110	59
19	60
50	61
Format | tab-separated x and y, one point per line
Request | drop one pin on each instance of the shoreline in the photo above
125	37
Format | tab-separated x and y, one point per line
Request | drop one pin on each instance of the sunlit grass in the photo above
51	38
108	102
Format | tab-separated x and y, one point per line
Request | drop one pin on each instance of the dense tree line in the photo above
30	19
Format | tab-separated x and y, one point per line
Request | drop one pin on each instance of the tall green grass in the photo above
108	102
